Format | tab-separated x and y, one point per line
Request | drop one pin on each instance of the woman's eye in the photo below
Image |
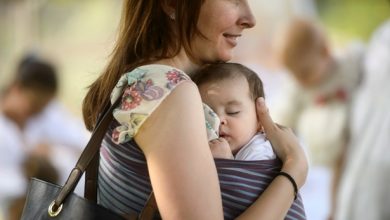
236	2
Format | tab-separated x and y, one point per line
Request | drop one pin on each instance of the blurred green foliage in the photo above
351	19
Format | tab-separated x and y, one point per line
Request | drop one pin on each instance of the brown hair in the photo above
221	71
146	34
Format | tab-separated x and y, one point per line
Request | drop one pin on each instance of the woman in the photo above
158	137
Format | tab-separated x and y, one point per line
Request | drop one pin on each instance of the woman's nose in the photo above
247	19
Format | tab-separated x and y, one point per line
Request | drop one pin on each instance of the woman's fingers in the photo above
264	117
282	138
284	143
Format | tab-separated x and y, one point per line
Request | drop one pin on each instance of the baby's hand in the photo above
220	148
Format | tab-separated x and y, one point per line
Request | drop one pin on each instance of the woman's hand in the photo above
284	143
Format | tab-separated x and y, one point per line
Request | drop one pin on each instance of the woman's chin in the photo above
219	58
225	57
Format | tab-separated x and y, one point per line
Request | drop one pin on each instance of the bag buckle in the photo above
54	213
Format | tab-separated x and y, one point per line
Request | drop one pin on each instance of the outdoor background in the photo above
77	36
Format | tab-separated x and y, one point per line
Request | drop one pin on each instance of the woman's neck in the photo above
180	61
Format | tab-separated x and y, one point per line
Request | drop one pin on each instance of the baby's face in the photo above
231	101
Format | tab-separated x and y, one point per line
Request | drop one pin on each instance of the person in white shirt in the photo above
29	93
317	103
364	191
33	122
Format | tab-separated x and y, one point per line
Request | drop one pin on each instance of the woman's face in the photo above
221	22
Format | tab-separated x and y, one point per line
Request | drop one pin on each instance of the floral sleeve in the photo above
141	90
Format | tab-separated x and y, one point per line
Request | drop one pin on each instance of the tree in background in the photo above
349	19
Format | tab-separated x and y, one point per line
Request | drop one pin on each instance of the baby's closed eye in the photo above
233	112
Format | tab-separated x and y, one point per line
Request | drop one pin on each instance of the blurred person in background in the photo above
317	104
55	123
364	190
33	122
28	94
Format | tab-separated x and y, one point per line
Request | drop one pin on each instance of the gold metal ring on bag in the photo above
54	213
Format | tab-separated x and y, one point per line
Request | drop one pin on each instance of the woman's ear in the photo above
169	7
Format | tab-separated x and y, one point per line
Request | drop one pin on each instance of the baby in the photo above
230	90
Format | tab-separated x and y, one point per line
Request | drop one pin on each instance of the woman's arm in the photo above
181	167
276	200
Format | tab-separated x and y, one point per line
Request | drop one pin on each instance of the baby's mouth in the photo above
223	135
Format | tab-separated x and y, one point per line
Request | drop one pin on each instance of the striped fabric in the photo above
124	183
242	182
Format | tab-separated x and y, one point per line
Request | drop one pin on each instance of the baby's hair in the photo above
221	71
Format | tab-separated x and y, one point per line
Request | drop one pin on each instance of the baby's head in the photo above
303	50
231	89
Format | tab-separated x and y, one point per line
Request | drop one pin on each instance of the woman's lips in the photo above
231	39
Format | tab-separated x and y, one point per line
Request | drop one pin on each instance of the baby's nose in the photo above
223	120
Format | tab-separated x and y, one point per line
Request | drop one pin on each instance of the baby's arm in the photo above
220	148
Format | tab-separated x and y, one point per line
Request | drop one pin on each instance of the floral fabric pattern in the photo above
212	123
174	77
141	91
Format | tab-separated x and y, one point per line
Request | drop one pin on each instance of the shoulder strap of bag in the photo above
91	152
92	170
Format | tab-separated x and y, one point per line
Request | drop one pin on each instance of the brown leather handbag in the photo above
49	201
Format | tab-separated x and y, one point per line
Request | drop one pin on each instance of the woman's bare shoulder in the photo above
179	115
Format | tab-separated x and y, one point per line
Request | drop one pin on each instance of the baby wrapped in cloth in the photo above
242	181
